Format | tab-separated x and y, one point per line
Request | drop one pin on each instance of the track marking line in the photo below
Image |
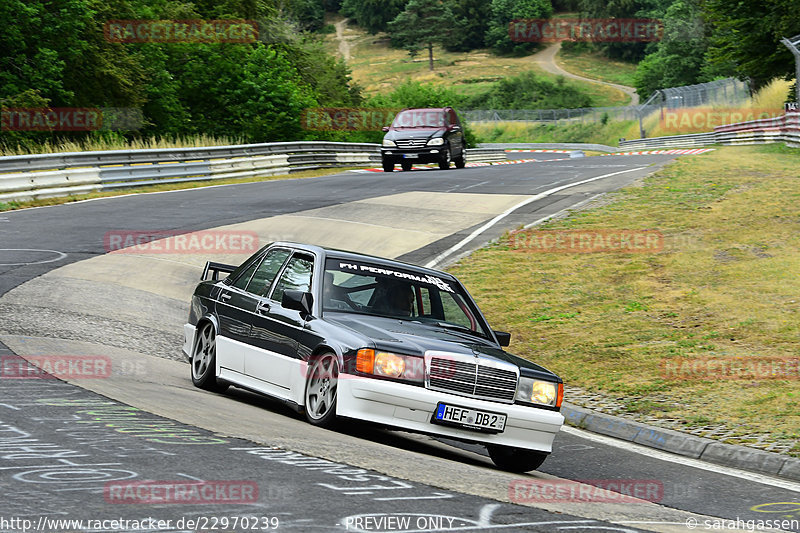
439	258
683	460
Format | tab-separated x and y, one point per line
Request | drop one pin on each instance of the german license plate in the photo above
453	415
411	156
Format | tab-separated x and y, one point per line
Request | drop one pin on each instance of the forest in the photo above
60	54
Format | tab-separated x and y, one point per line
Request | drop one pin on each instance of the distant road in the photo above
344	46
547	60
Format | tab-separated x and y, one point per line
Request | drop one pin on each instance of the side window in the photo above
266	272
242	281
297	276
453	119
422	301
457	312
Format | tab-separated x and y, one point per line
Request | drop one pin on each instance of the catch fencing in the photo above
726	92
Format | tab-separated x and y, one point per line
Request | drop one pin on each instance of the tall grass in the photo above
576	132
772	95
115	143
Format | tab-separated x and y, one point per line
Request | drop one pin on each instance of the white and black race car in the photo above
342	335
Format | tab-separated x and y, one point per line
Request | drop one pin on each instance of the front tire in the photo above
388	167
517	460
461	160
321	387
444	160
204	360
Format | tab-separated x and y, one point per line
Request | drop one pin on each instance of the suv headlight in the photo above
436	141
540	392
387	142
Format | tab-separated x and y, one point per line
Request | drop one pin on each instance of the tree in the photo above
422	24
54	53
745	38
679	57
470	24
58	49
503	12
624	9
373	15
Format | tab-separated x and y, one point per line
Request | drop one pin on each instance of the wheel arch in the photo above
327	348
205	319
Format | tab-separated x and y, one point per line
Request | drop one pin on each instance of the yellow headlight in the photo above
389	364
543	392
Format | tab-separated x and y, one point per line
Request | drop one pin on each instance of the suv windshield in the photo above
419	118
356	287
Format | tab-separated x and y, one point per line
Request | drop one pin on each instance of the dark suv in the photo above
429	135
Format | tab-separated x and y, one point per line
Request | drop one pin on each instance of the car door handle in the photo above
225	296
262	307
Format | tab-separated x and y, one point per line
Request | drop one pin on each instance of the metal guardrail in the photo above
551	146
672	141
784	129
49	175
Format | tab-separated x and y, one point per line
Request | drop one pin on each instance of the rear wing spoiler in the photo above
215	269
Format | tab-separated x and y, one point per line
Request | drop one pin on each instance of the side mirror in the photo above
385	128
455	127
503	337
297	300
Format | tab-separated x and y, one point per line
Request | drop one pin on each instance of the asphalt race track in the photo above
85	449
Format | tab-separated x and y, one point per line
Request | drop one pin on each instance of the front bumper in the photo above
414	155
410	407
188	341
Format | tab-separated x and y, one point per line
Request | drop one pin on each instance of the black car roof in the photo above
355	256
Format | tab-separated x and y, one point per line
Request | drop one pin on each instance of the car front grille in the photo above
411	143
475	378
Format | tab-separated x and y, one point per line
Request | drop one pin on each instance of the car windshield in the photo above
364	288
419	118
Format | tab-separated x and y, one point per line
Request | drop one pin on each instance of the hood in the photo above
415	338
424	134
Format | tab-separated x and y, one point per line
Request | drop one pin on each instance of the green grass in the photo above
505	132
725	285
379	68
597	67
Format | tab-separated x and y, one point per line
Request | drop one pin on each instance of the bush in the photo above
528	91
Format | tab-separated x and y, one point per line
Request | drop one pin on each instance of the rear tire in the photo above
204	360
321	387
406	165
388	167
444	160
517	460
